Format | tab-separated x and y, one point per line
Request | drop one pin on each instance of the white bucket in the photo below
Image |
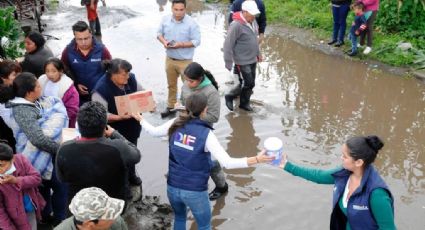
274	147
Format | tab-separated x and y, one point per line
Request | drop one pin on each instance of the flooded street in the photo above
310	100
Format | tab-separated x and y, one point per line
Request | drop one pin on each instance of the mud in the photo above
149	213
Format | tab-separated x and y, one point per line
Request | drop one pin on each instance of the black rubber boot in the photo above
229	101
218	192
245	100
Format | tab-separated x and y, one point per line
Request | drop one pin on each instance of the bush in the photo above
10	34
397	21
407	16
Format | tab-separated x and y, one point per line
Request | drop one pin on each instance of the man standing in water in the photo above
241	47
180	35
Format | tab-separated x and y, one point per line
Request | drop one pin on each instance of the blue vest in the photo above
86	70
129	128
359	214
189	165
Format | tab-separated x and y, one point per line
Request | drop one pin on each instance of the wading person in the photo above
93	209
261	20
361	199
180	35
83	57
191	144
241	47
99	158
119	81
198	80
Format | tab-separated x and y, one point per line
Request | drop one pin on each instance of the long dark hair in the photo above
38	40
58	64
195	71
115	65
195	104
24	83
365	148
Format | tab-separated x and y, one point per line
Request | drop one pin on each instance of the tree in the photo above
10	34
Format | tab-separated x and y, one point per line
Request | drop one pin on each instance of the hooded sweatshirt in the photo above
241	44
213	103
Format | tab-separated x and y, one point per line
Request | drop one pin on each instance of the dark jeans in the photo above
248	76
339	14
132	174
244	90
369	30
55	201
95	27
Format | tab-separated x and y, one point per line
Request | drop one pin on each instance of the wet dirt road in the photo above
310	100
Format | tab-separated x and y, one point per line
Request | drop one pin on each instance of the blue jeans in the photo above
198	202
353	38
339	14
55	201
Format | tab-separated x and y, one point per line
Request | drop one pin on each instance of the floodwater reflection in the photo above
310	100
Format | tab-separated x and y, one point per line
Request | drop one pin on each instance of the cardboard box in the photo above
69	134
137	102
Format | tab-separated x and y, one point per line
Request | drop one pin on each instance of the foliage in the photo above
407	16
10	34
397	21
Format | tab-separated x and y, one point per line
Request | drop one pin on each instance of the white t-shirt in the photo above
51	89
212	145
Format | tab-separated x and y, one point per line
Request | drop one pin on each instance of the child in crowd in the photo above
20	201
359	25
57	84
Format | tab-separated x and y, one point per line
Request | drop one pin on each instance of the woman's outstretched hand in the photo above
283	161
263	158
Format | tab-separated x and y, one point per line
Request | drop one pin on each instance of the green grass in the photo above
316	15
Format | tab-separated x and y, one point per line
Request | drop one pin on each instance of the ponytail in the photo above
195	105
195	71
209	75
178	123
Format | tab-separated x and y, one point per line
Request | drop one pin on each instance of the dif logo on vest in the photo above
185	141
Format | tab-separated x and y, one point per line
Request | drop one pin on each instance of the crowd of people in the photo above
87	182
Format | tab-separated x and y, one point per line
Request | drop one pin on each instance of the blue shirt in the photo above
180	31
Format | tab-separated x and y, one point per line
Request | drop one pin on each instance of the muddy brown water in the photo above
310	100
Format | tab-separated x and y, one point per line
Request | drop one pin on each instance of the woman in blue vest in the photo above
118	81
191	144
361	199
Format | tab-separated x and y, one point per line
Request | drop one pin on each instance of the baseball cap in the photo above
251	7
94	204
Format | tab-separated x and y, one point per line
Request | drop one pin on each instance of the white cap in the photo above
251	7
